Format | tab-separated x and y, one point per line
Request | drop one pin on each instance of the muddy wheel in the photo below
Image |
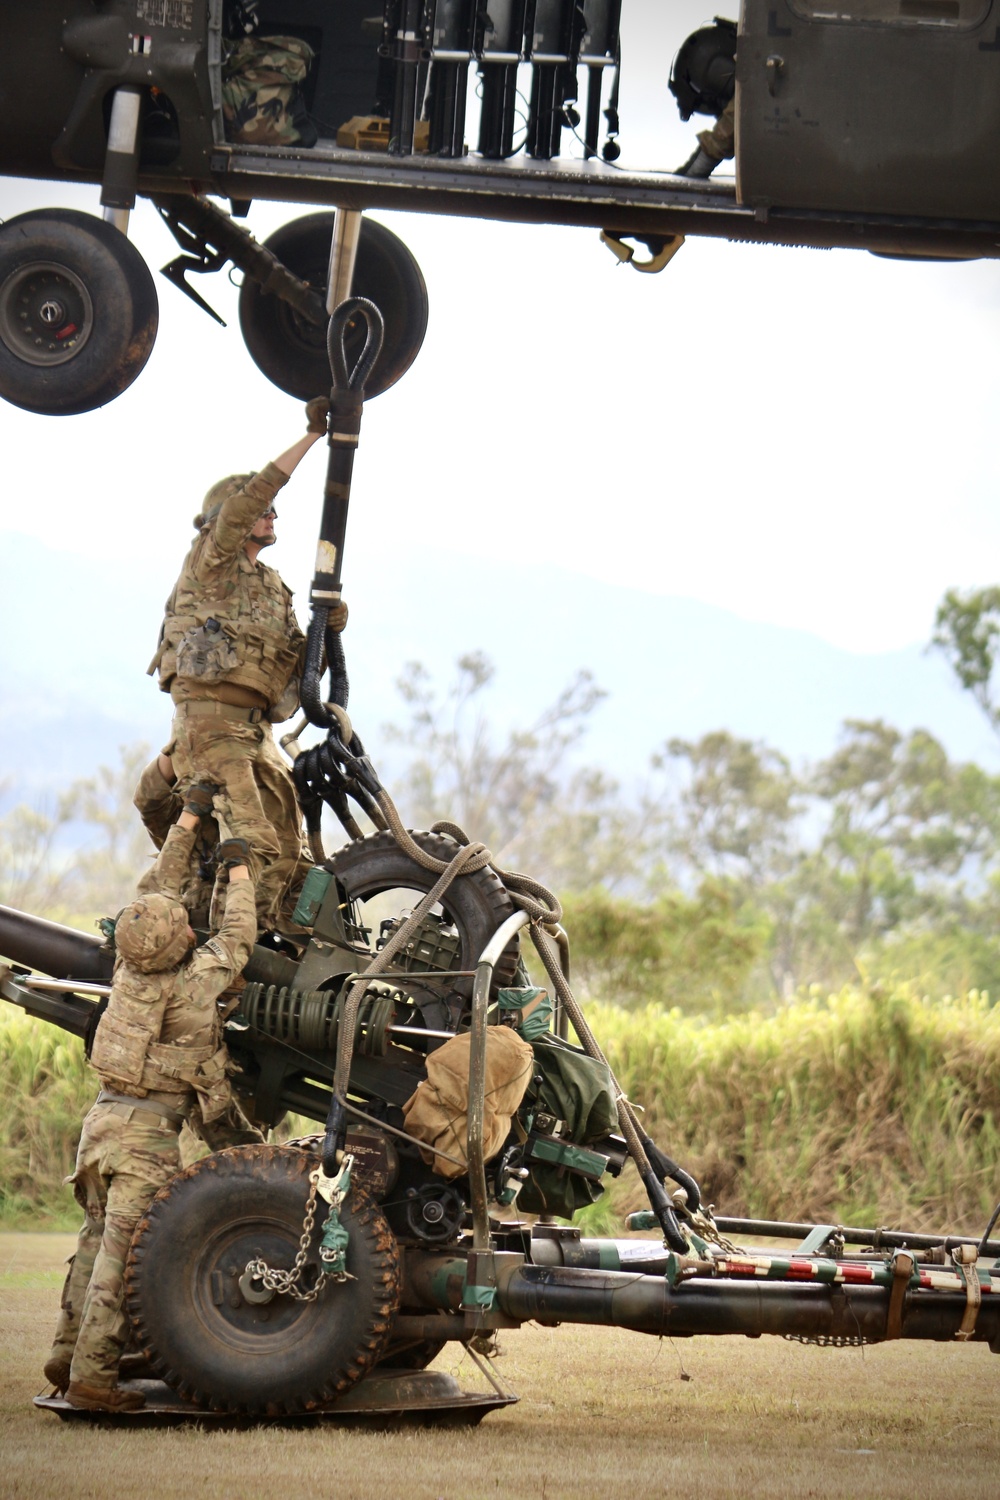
477	904
221	1349
78	312
291	351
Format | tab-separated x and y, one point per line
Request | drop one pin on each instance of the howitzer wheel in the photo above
476	903
220	1350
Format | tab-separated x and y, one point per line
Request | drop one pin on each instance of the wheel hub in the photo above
46	314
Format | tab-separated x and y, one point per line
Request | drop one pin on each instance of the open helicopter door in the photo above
874	106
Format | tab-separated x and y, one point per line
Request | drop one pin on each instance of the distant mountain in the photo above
75	640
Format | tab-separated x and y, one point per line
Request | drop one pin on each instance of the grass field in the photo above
602	1413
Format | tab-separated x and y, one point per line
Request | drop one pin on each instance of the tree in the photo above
967	630
736	810
85	854
514	791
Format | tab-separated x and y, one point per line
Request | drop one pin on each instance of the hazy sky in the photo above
803	437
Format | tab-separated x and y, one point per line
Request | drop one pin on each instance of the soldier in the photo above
230	655
158	1051
158	803
714	146
703	81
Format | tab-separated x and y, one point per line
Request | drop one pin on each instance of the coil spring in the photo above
310	1019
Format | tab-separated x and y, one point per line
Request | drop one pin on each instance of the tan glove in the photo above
317	413
338	617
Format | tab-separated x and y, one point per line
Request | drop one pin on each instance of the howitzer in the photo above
211	1287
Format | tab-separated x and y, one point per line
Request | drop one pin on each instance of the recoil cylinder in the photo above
310	1019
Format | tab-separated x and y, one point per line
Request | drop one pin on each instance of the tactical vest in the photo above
130	1058
239	628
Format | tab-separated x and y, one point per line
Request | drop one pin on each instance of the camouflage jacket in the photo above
160	1036
228	619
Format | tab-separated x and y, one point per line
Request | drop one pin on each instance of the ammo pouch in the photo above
262	99
287	703
206	652
119	1054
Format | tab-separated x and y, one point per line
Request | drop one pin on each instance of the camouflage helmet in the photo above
220	491
152	933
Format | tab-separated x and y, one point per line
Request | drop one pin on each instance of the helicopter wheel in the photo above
232	1347
78	312
291	351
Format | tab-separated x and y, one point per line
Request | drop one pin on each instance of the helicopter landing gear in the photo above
78	312
290	349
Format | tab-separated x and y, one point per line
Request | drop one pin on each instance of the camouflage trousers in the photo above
720	141
125	1156
257	801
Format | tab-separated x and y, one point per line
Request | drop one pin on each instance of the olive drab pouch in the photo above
528	1009
262	98
571	1097
206	652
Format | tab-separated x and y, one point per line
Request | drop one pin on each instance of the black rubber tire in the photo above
209	1221
476	903
291	351
58	260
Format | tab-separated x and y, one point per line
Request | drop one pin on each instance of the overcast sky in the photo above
803	437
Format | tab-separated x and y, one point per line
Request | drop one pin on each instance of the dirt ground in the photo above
602	1413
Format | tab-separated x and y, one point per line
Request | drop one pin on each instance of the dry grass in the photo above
602	1413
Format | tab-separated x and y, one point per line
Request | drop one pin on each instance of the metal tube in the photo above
343	253
780	1229
70	986
121	161
57	950
477	1075
647	1304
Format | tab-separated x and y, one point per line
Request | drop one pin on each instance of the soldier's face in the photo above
263	532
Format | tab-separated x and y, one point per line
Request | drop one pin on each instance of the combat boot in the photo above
103	1397
56	1372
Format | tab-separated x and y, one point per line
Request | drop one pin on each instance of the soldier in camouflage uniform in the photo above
231	656
158	802
714	146
158	1052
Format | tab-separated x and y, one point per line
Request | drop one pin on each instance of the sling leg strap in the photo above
902	1270
965	1258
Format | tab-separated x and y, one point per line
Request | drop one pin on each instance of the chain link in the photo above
829	1340
287	1281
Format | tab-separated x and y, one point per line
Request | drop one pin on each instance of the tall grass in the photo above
865	1107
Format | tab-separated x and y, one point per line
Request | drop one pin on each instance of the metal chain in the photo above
703	1223
287	1281
829	1340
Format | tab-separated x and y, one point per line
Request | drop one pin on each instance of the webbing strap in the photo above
965	1258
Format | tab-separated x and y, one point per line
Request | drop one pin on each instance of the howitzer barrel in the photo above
647	1304
59	951
64	953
